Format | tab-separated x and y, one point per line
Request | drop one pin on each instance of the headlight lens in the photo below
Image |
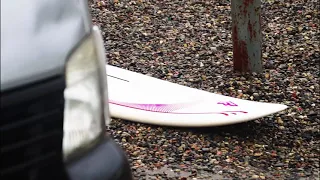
85	96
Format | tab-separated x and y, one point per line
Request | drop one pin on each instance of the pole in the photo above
246	35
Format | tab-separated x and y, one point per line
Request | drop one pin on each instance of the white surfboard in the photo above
140	98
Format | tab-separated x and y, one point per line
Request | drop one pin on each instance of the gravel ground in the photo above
189	42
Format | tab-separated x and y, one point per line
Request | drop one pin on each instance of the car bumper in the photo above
106	161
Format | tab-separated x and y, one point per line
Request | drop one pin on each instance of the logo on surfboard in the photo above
229	103
171	108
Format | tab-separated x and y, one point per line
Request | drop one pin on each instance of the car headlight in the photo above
86	111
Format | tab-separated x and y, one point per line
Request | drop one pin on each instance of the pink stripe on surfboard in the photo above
169	108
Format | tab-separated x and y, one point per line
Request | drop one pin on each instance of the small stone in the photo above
139	161
205	149
255	95
308	16
203	77
213	48
255	176
182	147
267	75
289	29
279	120
279	165
311	114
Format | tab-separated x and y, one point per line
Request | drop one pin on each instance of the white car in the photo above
54	108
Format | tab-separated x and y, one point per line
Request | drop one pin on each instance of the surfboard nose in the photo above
281	107
274	108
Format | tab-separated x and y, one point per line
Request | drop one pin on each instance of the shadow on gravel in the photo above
256	129
242	129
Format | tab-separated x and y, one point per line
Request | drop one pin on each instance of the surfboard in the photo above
140	98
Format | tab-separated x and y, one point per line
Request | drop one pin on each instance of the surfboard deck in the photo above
141	98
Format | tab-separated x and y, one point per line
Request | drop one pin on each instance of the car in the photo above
54	108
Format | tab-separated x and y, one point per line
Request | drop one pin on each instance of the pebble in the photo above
279	121
255	176
205	149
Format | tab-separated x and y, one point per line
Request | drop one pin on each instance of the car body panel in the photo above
37	36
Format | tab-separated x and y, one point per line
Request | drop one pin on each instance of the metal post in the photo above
246	35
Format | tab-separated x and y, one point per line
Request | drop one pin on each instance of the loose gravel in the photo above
189	42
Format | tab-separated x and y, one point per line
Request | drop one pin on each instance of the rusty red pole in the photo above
246	35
